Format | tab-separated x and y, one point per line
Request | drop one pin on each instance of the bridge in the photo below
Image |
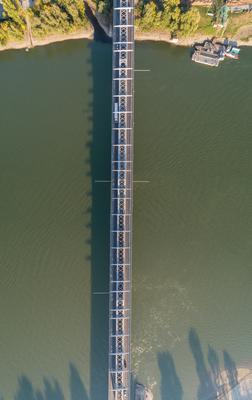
121	200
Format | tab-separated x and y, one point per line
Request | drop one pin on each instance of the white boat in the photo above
232	52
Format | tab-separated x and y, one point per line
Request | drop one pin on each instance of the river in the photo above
192	297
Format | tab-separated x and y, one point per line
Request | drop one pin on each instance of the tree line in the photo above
167	15
12	24
46	16
64	16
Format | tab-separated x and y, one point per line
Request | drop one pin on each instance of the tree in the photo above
57	16
172	15
168	15
149	16
189	21
15	12
217	4
3	32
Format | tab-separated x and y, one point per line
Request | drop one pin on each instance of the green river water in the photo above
192	276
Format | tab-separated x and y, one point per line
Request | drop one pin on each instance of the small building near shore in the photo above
238	8
233	5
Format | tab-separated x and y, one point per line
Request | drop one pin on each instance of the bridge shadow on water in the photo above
100	137
98	163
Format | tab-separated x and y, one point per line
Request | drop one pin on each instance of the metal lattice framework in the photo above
121	200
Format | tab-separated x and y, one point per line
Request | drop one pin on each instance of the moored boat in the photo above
232	52
211	52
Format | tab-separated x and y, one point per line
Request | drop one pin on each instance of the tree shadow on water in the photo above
77	388
230	367
217	383
213	360
51	389
207	387
240	387
170	386
26	391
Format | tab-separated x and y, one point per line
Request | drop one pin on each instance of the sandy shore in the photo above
187	42
57	37
165	37
88	34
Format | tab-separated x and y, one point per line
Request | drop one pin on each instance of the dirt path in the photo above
29	32
25	4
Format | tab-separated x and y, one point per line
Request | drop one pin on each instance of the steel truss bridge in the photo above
121	200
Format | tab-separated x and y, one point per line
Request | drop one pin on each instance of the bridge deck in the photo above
121	200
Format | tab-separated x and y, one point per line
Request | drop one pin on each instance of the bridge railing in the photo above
121	200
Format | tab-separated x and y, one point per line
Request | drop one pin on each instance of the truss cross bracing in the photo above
121	200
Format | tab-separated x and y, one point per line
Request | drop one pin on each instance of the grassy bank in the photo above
239	26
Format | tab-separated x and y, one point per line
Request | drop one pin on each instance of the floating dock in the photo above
203	57
209	53
212	53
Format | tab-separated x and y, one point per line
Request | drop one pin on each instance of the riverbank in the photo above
165	37
54	38
187	41
155	36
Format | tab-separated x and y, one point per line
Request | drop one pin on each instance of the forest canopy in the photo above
167	15
46	16
65	16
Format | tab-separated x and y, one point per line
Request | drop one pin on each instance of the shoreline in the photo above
164	37
186	42
53	38
89	34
